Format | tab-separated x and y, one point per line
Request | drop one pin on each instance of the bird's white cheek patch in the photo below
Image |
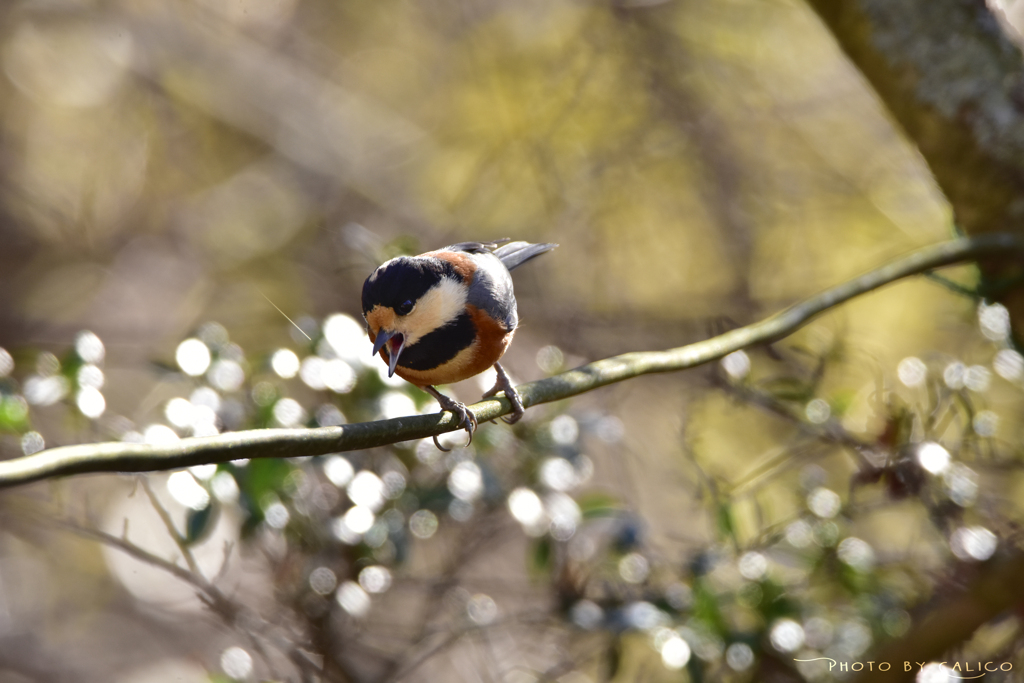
442	303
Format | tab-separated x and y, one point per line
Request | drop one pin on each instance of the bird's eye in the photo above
405	308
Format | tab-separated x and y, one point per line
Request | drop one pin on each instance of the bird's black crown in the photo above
403	279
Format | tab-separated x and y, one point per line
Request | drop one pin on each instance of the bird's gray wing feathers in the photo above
515	254
476	247
491	290
511	254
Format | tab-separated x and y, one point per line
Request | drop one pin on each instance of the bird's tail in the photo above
515	254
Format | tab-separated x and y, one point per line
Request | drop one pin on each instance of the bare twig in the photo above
284	443
172	530
212	596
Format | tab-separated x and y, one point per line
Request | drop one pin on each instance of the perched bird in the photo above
447	315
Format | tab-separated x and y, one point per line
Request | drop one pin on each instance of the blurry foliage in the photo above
171	163
799	582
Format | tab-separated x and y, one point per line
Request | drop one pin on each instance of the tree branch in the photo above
284	443
955	83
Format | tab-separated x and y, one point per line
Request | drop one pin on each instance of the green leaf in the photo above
541	556
262	476
841	401
724	518
595	505
199	523
13	414
707	609
613	657
789	389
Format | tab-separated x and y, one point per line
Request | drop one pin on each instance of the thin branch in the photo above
172	531
253	626
284	443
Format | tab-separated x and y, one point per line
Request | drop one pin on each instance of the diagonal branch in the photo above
284	443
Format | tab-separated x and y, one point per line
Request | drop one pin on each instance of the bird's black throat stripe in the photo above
440	346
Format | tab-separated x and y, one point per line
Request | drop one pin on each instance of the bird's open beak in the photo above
397	340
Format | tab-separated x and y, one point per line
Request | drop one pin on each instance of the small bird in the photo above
447	315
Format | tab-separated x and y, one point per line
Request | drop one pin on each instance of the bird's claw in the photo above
466	418
504	384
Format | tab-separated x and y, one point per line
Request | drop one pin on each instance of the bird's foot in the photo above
504	384
466	418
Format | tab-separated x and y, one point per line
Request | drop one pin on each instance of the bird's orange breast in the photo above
490	344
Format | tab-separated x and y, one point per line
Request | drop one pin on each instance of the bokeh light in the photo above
236	663
985	423
634	568
994	321
739	656
375	579
818	411
550	359
186	490
45	391
977	378
367	489
954	375
423	524
912	371
558	474
466	481
933	457
227	375
753	565
359	519
1008	364
276	515
285	363
526	507
936	673
973	543
675	653
353	599
564	430
193	357
323	581
91	376
158	434
397	404
586	614
856	553
311	372
824	502
348	338
32	442
338	376
89	348
90	402
481	609
289	413
338	470
961	484
736	364
787	635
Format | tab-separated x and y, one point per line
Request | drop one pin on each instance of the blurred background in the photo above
181	178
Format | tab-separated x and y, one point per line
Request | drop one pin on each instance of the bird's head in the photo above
407	298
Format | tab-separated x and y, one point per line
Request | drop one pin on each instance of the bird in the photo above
446	315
